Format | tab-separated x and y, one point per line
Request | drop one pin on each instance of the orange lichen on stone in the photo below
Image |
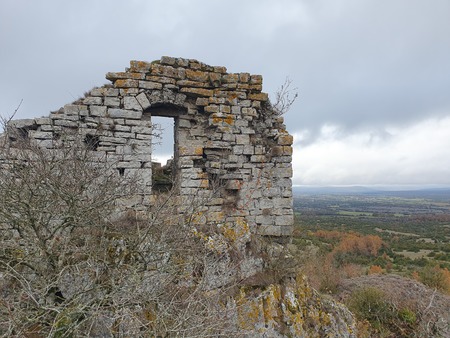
197	75
285	140
190	151
236	231
197	91
126	83
258	96
140	66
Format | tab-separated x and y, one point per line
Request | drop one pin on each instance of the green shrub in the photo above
373	306
370	304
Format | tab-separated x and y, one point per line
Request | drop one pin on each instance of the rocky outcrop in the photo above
293	309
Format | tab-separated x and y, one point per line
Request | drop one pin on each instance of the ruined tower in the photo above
228	138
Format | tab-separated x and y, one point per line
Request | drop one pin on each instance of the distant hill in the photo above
400	191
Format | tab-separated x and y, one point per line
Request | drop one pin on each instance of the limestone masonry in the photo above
230	144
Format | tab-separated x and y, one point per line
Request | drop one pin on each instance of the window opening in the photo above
163	145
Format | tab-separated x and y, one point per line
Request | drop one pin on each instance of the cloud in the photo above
417	154
360	66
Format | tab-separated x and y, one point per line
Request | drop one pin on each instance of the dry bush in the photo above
435	277
375	269
69	267
418	311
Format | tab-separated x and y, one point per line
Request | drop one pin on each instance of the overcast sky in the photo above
373	76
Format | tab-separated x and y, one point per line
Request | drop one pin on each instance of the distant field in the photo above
414	224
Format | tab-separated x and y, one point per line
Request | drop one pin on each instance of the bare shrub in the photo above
70	267
285	97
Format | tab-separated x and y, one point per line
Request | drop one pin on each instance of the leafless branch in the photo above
285	97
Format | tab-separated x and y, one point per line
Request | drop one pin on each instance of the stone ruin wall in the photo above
225	131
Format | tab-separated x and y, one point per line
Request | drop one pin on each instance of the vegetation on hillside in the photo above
343	238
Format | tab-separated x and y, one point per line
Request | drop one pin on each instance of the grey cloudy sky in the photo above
373	75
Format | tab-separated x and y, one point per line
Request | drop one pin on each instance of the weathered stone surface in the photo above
132	103
112	101
197	91
129	114
126	83
98	110
143	100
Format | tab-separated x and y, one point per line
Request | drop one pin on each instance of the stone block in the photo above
228	137
221	70
190	83
250	112
277	151
150	85
202	101
256	79
128	91
168	71
189	150
93	100
161	79
215	79
282	203
213	108
224	109
167	60
238	149
215	217
258	158
123	134
40	135
245	130
182	123
143	137
140	66
285	139
75	109
112	101
197	75
122	113
282	173
126	83
245	103
249	150
230	78
143	100
244	77
112	140
284	220
104	92
23	123
243	139
66	123
236	110
197	91
130	102
258	96
97	110
42	120
142	130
